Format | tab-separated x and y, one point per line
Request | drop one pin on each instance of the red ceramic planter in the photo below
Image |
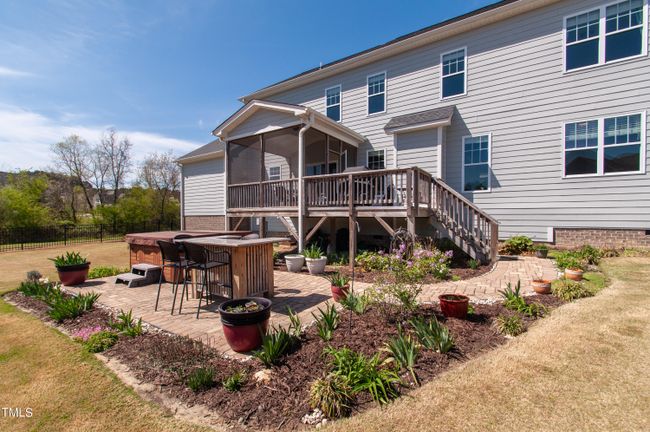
244	331
340	293
454	305
73	275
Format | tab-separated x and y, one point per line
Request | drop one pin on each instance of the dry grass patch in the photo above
16	264
581	369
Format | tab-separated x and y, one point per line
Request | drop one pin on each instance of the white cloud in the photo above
13	73
26	137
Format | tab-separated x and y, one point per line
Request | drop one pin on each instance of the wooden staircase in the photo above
469	227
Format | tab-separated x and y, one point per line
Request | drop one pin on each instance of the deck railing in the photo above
411	189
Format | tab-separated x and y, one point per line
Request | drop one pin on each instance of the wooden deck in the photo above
405	192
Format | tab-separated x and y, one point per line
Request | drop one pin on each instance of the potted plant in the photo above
541	285
315	259
294	262
339	284
454	305
245	322
541	251
72	268
573	265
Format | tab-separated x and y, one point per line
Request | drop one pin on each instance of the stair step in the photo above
144	267
128	277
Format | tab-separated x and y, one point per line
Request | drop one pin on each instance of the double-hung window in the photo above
453	75
333	103
612	145
612	32
476	163
275	172
377	93
376	159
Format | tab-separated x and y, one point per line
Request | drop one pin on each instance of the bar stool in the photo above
171	258
202	260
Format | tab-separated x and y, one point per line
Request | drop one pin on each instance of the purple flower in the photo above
409	263
86	332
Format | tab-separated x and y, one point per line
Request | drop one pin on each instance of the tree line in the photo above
93	183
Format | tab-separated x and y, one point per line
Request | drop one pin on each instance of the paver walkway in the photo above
302	292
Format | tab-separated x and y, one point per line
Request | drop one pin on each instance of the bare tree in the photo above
73	157
117	155
160	172
99	167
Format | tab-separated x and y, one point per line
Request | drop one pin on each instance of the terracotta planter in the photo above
73	274
542	253
244	331
573	274
454	305
542	286
339	293
294	262
316	265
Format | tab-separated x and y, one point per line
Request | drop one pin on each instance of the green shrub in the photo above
40	290
569	290
374	261
517	244
509	325
590	254
106	271
570	260
404	351
100	341
513	300
295	325
541	247
33	276
313	251
364	374
65	307
235	381
357	303
274	345
69	258
327	321
200	379
338	258
433	335
126	325
473	264
332	395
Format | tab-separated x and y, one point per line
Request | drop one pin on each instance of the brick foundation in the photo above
216	223
602	238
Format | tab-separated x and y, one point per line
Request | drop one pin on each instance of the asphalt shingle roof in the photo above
211	147
422	117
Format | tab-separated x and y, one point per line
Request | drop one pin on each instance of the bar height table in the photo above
251	262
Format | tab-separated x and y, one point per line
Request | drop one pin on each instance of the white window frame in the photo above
279	167
489	164
600	154
368	114
602	34
340	104
383	150
464	49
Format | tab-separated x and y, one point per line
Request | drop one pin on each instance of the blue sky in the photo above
167	72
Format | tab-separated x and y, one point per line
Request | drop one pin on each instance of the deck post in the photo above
262	231
226	219
301	184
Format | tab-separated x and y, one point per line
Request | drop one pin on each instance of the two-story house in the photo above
523	117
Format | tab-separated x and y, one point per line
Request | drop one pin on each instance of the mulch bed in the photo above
165	360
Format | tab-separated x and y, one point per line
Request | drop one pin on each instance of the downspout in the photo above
301	186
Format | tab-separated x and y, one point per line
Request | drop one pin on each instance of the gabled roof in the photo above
445	29
421	120
302	113
211	150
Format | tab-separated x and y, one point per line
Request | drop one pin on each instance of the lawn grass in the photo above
593	281
580	369
42	369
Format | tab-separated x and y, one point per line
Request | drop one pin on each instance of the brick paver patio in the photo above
302	292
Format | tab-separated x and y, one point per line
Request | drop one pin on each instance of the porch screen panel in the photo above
244	157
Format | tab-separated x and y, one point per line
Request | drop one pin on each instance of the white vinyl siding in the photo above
520	93
608	33
203	188
418	148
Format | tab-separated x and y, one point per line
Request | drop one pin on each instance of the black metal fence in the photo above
15	239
